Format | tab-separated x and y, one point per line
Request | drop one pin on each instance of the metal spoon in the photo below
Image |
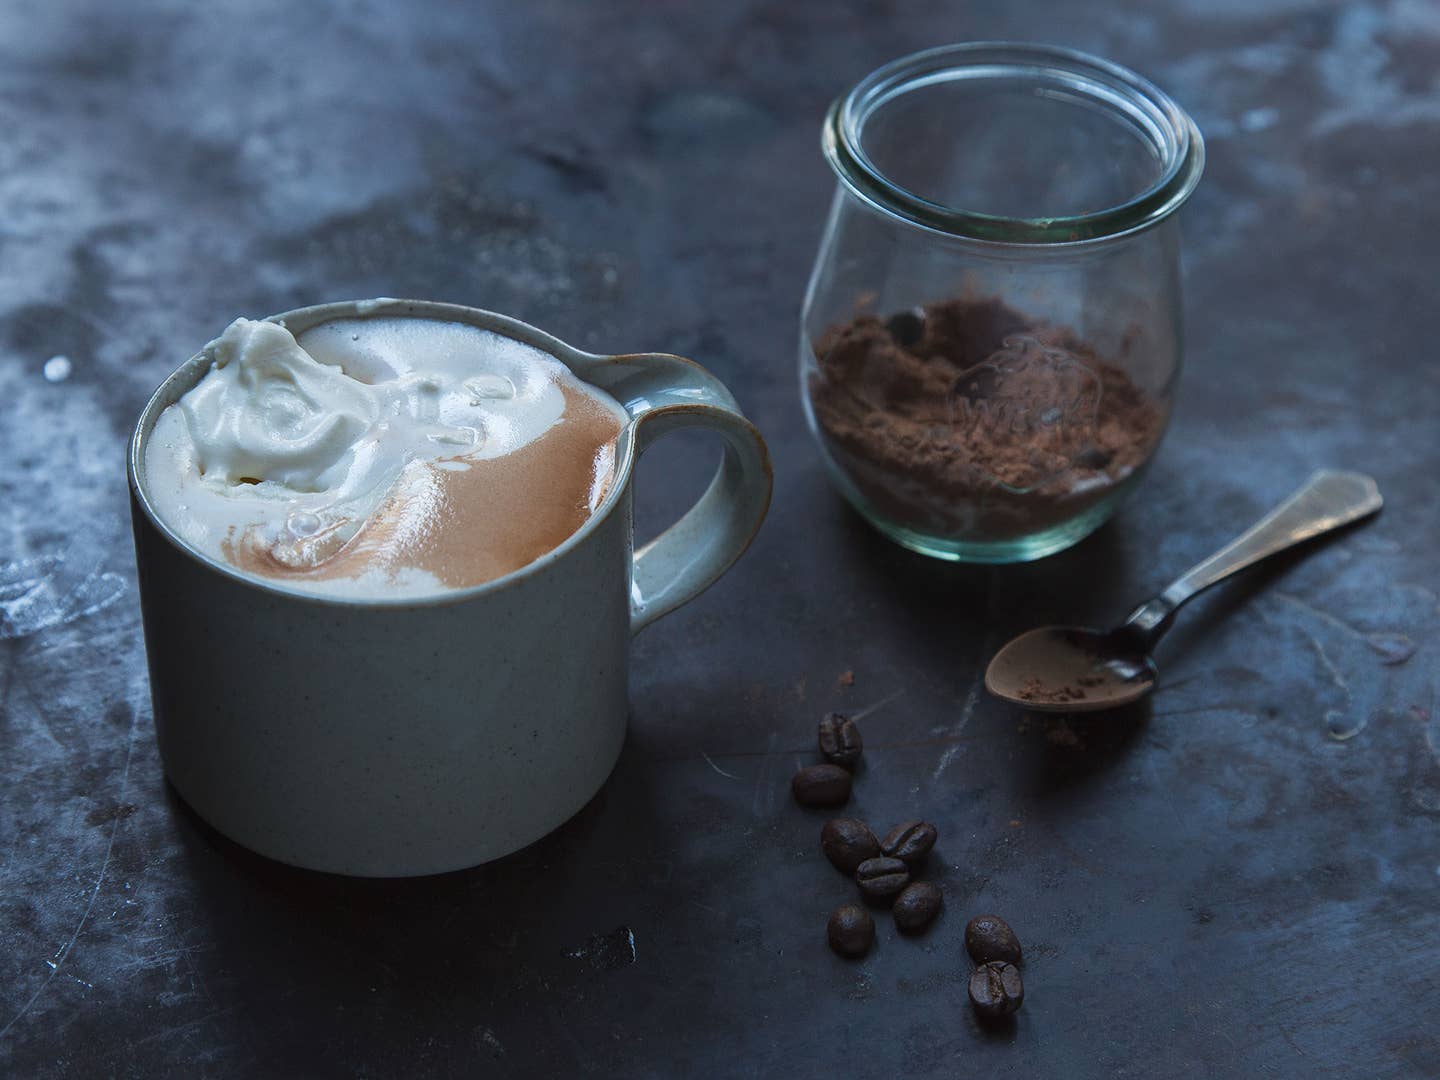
1077	669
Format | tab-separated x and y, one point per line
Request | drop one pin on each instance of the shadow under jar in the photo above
991	336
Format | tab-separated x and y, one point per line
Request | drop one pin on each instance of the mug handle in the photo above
668	393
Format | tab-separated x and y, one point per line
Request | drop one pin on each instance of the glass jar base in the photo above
1051	537
1013	550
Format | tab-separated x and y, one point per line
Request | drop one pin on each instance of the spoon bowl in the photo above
1071	669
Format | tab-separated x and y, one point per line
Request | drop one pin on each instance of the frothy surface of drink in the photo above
374	458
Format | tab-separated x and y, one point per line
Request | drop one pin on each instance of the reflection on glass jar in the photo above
991	336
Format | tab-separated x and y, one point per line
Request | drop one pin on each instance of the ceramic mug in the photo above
401	736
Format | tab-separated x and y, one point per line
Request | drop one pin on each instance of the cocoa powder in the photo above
1037	690
973	421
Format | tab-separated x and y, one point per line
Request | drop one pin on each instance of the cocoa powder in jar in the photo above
975	422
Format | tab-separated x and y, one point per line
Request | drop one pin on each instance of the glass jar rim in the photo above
1171	133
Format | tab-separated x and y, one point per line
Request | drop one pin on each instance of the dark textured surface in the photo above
1219	886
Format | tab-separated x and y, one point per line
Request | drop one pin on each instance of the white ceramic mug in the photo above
397	737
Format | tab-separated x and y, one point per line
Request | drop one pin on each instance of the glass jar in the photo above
991	336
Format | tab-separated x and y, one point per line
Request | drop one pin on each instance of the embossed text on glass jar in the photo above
991	336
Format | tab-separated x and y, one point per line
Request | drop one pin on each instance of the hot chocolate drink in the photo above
382	457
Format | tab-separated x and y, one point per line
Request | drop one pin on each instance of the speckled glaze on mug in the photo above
399	737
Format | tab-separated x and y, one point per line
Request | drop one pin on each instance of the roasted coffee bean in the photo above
821	785
850	930
840	740
907	327
989	937
910	840
847	842
916	907
996	989
881	879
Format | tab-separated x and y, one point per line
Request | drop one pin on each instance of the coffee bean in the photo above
840	740
821	785
906	327
996	989
910	840
916	907
847	842
881	879
989	937
850	930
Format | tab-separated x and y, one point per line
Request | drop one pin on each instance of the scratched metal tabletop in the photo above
1241	879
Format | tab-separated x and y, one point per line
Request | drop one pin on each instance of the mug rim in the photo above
579	363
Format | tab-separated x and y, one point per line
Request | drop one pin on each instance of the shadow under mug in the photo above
413	736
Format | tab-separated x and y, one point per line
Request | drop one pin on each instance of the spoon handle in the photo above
1329	500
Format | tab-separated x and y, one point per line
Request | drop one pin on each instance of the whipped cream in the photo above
289	447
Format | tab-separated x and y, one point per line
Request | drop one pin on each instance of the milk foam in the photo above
328	462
